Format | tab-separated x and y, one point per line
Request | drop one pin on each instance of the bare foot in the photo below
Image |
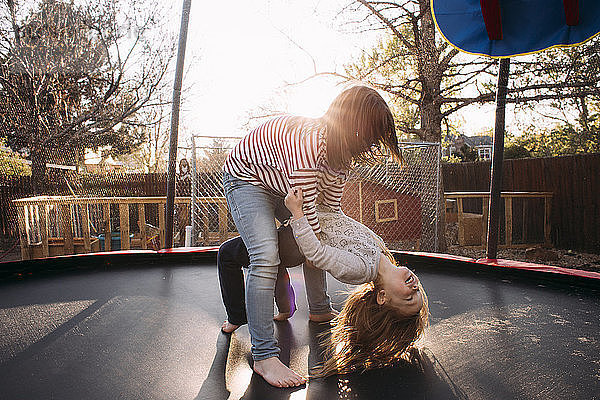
228	327
284	316
323	317
277	373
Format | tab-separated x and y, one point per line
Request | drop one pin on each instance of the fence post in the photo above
142	224
194	199
85	227
124	228
66	223
25	255
107	228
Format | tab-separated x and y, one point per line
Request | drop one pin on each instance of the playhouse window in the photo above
386	210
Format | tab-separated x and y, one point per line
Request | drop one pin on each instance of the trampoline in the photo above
145	325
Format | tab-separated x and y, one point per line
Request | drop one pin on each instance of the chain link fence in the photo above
86	211
398	202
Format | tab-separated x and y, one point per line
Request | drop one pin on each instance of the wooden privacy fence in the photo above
573	180
57	225
472	228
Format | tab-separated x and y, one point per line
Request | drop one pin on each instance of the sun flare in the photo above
313	98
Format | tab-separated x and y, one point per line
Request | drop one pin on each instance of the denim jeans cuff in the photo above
264	356
321	310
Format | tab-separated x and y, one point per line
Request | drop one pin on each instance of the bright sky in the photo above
240	55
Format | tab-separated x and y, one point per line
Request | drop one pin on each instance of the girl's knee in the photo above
232	253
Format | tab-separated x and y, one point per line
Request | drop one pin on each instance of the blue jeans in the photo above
254	210
233	256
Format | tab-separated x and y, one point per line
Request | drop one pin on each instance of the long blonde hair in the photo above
367	335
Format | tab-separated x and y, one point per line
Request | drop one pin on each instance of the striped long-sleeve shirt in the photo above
278	158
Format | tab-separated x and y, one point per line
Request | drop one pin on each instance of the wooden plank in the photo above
43	213
85	228
455	195
547	223
569	212
162	224
66	226
579	184
593	243
525	223
205	230
142	224
35	224
552	177
107	227
508	221
588	204
124	228
461	222
507	176
485	206
222	222
27	220
111	200
25	250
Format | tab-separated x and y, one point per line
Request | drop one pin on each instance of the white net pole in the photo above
194	196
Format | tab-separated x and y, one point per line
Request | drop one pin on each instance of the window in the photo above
386	210
485	153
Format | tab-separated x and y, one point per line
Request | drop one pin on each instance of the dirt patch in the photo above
535	254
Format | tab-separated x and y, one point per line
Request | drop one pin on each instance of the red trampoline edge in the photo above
511	264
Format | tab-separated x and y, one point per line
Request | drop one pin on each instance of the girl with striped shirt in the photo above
314	155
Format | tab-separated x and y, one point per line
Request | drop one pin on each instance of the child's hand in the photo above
293	201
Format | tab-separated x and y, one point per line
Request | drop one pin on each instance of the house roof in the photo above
471	141
474	141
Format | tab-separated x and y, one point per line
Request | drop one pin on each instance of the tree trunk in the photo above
431	114
431	119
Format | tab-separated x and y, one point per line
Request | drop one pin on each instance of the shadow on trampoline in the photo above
214	386
422	378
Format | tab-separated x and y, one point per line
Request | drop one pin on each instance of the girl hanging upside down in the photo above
385	315
381	319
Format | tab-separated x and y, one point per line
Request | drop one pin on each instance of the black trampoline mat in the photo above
154	333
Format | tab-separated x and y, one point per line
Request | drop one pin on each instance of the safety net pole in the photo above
170	205
497	158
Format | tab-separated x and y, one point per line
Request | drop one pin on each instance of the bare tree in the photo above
151	156
421	72
214	156
566	81
74	75
429	80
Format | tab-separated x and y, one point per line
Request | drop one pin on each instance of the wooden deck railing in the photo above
57	225
508	214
